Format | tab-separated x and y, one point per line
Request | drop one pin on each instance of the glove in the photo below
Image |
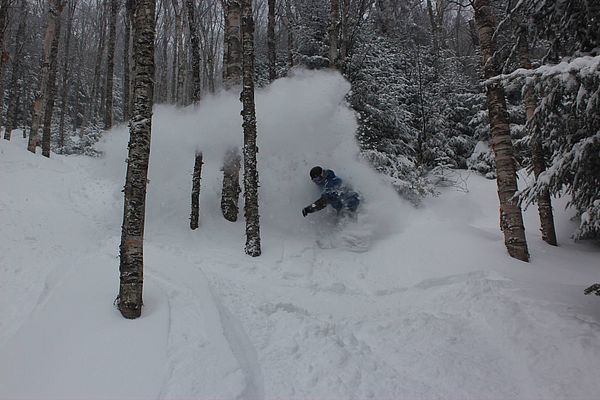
307	210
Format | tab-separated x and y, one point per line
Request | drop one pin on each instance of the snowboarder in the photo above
333	192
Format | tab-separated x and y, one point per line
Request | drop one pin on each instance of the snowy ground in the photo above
434	309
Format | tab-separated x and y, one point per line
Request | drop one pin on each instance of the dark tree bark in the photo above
131	266
231	185
42	93
4	4
72	4
195	41
232	45
195	214
271	49
112	34
14	90
176	51
128	18
288	20
51	92
510	213
249	124
537	151
334	25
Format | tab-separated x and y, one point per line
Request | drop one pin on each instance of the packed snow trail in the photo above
434	309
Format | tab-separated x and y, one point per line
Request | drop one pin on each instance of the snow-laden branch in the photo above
583	66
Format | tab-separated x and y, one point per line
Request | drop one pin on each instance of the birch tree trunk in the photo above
249	124
176	51
4	4
271	49
195	214
51	92
232	45
39	102
195	41
131	266
288	21
231	185
112	34
510	213
232	77
334	24
66	74
126	59
15	89
537	152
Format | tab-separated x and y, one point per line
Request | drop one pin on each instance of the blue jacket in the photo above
335	193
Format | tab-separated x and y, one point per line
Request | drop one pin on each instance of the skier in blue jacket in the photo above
333	192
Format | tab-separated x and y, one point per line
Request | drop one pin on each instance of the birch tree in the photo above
39	104
112	34
131	266
232	63
249	124
537	153
195	42
511	219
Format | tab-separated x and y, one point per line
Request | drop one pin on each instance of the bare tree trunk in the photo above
271	49
51	92
15	89
434	29
112	33
66	74
176	51
93	106
510	212
126	64
539	164
249	124
195	214
231	185
197	84
232	45
290	33
4	4
41	95
344	45
132	233
334	25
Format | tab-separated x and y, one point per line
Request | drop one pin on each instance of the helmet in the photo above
315	172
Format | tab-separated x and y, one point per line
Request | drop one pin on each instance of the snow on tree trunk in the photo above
537	151
334	22
231	185
195	41
272	54
511	219
232	45
39	102
112	33
195	214
51	92
249	124
132	234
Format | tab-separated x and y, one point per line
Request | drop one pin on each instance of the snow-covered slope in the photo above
434	309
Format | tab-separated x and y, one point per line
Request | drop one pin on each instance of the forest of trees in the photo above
491	85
